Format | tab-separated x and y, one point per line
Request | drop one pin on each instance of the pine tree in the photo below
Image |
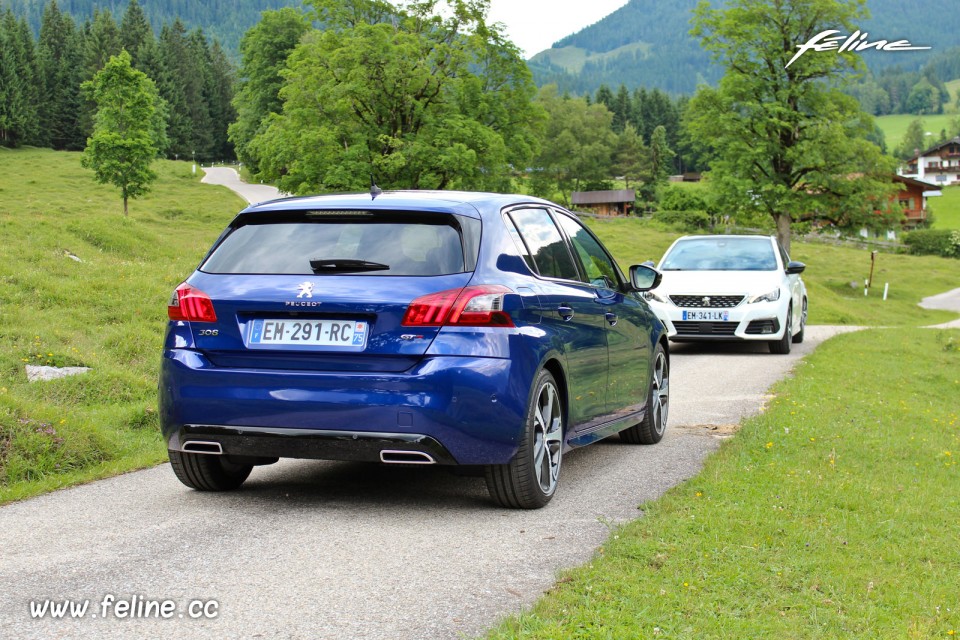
18	83
135	33
61	61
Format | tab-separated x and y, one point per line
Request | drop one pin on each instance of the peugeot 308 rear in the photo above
402	329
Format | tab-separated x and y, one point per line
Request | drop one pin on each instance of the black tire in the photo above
530	480
782	346
650	430
797	339
205	472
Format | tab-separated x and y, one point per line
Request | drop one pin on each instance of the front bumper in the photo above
460	410
758	321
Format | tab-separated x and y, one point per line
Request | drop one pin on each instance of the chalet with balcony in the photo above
939	164
605	203
912	197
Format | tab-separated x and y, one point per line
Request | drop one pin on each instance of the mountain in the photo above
647	43
223	20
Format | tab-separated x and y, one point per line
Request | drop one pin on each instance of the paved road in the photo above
338	550
949	301
227	177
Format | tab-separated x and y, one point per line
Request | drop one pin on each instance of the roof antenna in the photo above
374	189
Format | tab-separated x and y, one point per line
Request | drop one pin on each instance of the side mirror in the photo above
795	267
644	277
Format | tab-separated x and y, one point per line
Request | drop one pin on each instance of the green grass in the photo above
833	514
830	271
106	312
946	208
895	127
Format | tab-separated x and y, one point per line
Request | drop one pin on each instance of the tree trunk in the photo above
124	206
783	229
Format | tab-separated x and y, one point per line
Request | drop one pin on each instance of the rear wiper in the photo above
345	265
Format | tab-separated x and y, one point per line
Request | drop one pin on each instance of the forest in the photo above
41	102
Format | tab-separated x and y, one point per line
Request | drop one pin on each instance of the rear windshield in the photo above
721	254
370	244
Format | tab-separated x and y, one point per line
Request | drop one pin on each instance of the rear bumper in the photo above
459	410
268	442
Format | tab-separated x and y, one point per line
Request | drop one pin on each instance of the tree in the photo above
265	49
135	33
129	128
577	146
924	98
19	77
60	52
416	98
914	140
630	157
661	156
787	143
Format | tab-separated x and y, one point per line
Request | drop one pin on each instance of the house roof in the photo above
603	197
913	182
936	147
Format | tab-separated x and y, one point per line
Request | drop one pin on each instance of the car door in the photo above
629	323
794	284
570	313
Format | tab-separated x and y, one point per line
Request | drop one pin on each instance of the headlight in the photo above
653	297
773	296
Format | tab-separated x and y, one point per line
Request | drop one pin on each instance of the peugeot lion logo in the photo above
706	301
306	290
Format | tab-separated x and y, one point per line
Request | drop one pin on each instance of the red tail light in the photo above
479	306
191	305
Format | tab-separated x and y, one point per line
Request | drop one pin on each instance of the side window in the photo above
521	246
600	270
546	244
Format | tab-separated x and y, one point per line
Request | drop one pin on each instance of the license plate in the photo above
721	316
344	334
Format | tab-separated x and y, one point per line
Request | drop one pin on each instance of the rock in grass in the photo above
35	373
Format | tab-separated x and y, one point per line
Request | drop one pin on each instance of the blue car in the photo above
489	331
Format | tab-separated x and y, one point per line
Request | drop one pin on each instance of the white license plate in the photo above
721	316
346	334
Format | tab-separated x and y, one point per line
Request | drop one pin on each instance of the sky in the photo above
534	25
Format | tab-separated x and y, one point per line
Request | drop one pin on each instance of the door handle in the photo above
565	312
611	318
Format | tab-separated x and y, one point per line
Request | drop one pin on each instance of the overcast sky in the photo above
534	25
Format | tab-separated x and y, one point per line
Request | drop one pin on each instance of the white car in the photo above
731	288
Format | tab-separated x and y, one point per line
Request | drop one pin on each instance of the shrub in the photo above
684	220
934	242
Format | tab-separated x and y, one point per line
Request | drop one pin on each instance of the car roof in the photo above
469	203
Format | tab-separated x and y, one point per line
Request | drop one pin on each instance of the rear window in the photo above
373	244
721	254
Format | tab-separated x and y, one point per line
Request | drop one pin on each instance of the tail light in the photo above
190	304
479	306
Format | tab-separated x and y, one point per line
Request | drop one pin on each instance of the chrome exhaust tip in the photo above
390	456
202	446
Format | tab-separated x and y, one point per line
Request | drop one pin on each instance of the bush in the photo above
684	220
934	242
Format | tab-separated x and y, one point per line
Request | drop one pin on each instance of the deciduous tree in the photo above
419	97
129	128
787	143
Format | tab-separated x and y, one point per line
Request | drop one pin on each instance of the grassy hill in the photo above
895	127
106	312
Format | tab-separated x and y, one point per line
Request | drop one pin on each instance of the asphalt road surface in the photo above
227	177
339	550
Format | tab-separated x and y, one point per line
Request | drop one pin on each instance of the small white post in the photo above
886	288
866	287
